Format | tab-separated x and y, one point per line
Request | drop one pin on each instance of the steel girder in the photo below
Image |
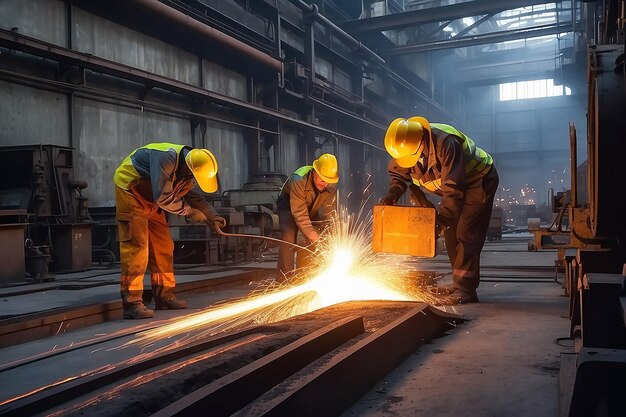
435	14
502	36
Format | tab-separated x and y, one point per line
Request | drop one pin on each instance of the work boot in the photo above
170	304
457	297
137	311
164	298
442	289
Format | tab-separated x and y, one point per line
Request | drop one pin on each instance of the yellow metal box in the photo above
404	230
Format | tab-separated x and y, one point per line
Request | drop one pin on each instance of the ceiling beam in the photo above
435	14
483	39
496	58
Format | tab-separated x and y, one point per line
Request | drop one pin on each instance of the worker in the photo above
309	194
152	180
441	159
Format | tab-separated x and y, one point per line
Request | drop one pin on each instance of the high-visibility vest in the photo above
476	160
126	173
301	172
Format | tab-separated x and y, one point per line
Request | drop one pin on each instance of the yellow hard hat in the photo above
203	166
404	140
326	168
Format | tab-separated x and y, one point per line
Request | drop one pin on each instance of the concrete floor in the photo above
503	362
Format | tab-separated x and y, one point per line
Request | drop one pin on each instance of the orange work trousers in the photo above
145	242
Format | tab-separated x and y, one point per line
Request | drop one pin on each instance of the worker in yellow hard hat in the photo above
152	180
309	194
441	159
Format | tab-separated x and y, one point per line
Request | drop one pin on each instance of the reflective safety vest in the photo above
476	160
301	172
126	173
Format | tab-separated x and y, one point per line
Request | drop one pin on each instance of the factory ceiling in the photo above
471	34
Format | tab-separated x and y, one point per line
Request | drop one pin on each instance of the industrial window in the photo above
532	89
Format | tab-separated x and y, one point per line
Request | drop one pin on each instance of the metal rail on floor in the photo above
294	356
58	394
43	324
232	392
331	388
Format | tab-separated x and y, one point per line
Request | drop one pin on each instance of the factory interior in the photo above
297	311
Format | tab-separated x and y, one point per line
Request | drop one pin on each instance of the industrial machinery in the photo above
43	213
249	211
256	200
595	277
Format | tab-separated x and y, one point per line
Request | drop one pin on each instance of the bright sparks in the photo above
344	268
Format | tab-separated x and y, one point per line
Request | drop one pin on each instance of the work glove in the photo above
388	200
313	236
196	216
217	222
418	198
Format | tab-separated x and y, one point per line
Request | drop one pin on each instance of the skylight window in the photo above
532	89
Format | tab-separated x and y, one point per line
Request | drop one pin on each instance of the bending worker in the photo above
446	162
309	194
152	180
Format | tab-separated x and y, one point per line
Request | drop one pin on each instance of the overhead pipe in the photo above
210	32
313	10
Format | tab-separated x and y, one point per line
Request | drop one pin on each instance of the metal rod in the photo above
573	165
314	11
220	232
180	18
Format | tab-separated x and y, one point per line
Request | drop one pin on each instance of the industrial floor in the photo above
503	362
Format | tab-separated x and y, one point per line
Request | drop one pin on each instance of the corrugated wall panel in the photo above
227	142
41	19
32	116
290	152
224	81
106	39
105	134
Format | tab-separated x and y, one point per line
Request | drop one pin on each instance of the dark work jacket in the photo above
304	201
444	159
157	172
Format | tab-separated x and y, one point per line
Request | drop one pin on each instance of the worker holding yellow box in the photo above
444	161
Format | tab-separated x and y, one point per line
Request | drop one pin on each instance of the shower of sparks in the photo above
345	269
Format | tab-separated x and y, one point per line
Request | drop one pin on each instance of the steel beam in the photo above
26	328
498	58
335	385
313	10
601	318
44	400
600	383
496	37
230	393
435	14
